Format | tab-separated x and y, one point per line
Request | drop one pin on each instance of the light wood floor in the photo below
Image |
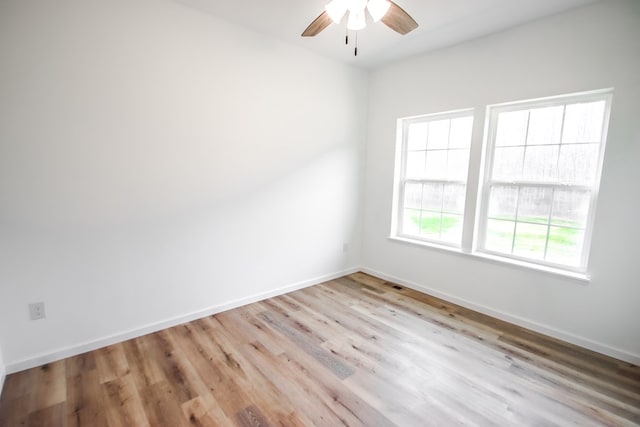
354	351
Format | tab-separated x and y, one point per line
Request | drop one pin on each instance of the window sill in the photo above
579	277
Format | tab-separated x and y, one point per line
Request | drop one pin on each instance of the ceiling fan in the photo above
392	15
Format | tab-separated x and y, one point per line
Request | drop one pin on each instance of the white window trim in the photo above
485	257
485	183
476	200
400	170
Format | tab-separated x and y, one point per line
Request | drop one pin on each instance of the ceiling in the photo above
442	23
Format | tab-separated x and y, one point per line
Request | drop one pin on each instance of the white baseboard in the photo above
80	348
516	320
2	375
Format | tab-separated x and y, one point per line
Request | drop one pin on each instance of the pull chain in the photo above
346	42
355	51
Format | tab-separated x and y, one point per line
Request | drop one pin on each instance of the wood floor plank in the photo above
337	367
205	411
351	409
355	351
50	386
14	411
144	370
270	396
19	385
305	399
176	366
50	416
252	417
123	404
161	407
84	398
76	365
209	363
324	390
111	363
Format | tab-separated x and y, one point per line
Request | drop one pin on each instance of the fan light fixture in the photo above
356	20
387	11
378	8
336	9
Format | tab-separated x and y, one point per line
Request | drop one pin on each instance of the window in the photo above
537	188
434	165
543	164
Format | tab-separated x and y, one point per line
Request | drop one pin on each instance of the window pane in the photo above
541	163
413	195
438	134
534	204
507	163
436	164
415	164
430	225
503	201
417	137
578	163
432	196
583	122
500	235
411	222
512	128
460	133
544	125
530	240
458	164
570	208
565	245
451	228
454	195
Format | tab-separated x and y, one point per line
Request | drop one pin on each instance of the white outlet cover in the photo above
36	311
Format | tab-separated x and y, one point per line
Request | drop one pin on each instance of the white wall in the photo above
156	162
589	48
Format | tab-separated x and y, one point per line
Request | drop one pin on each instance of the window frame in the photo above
478	183
486	183
400	180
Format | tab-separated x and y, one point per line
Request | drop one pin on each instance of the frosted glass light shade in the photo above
356	20
336	10
378	8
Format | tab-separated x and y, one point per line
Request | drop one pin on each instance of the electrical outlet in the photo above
345	247
36	311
